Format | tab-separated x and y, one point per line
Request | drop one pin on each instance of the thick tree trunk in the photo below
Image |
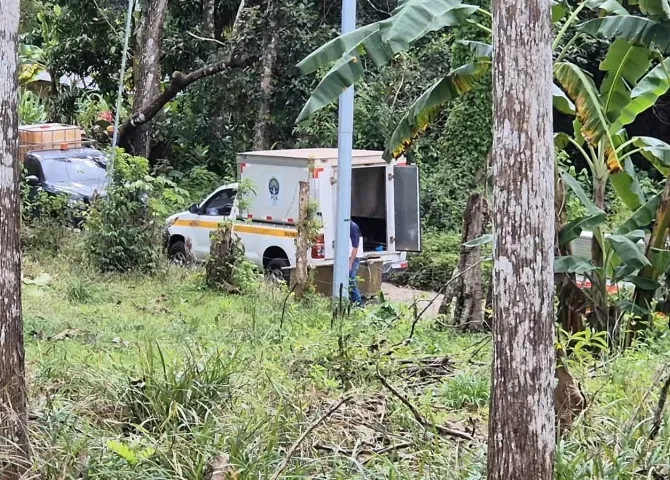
147	71
467	289
262	129
13	433
303	242
209	10
521	423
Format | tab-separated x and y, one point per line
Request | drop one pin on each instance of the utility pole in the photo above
345	147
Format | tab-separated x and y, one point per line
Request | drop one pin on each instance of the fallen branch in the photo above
441	429
440	292
366	451
302	437
658	417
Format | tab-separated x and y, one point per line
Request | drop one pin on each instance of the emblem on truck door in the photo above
273	186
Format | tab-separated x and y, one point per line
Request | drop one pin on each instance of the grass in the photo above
158	377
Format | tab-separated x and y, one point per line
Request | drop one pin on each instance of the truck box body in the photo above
384	203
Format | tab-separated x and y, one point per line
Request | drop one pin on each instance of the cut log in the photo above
303	242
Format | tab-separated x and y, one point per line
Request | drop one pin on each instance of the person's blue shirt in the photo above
355	236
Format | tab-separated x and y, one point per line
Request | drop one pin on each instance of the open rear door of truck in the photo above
407	209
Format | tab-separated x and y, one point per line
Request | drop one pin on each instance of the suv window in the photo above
221	204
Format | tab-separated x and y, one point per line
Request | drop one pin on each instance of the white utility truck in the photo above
384	203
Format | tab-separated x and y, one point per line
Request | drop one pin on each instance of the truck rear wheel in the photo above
277	270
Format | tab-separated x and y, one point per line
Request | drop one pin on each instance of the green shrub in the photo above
47	220
432	268
123	231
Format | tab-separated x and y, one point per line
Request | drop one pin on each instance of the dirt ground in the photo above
409	295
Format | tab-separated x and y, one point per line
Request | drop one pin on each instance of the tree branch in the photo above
178	83
441	429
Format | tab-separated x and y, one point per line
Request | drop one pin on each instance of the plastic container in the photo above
48	136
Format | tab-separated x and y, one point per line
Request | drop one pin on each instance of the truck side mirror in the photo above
195	208
32	181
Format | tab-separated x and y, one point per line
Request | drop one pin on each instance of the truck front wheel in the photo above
277	270
177	253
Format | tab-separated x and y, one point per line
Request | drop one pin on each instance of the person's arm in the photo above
354	254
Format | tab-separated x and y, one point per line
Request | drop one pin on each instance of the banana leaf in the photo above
380	41
656	151
424	110
628	251
640	31
595	127
656	9
561	101
573	264
642	217
577	189
642	282
625	64
480	49
627	186
575	228
607	7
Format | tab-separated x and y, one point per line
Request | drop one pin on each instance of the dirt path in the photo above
409	295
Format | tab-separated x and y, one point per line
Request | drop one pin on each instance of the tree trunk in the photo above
572	301
209	10
659	236
147	72
467	289
521	423
262	133
302	242
13	431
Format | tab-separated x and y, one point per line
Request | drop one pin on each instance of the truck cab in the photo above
385	205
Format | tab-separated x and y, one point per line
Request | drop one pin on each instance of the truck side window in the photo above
221	204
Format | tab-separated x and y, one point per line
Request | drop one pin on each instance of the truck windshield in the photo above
74	170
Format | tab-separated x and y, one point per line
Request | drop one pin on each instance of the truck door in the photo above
216	209
407	208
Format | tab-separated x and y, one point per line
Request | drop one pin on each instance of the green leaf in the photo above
573	264
646	93
561	101
344	74
414	19
660	259
380	41
336	48
575	186
561	140
656	9
425	109
123	451
628	251
480	49
629	307
640	31
478	242
558	11
656	151
625	64
607	7
595	127
642	282
575	228
642	217
627	186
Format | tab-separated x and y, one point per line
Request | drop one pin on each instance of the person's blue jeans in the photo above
354	294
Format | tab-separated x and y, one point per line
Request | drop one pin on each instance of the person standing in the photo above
355	253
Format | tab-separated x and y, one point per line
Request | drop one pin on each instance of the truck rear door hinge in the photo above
391	177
